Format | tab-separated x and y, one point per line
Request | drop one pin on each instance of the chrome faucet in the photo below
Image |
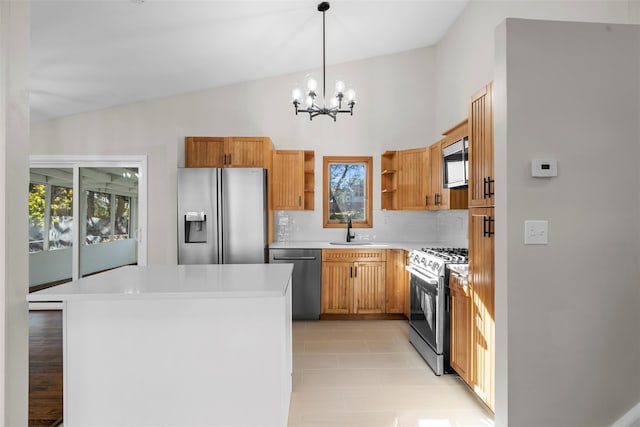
349	235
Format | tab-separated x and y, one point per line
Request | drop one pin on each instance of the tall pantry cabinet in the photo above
481	245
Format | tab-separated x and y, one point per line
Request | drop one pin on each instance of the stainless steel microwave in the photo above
455	163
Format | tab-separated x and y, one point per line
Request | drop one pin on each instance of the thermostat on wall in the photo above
544	168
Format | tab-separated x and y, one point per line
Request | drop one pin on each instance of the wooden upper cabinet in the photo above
204	151
413	179
246	152
481	177
292	182
389	180
453	198
229	151
438	196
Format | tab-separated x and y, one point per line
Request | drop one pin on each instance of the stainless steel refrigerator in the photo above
222	216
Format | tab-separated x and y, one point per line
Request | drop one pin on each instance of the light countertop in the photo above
175	281
408	246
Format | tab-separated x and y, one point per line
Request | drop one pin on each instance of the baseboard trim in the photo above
368	316
45	305
630	419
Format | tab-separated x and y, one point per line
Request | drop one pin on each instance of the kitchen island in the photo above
187	345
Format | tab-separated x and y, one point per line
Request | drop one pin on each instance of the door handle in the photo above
356	275
426	200
437	201
299	200
294	258
487	226
351	272
487	186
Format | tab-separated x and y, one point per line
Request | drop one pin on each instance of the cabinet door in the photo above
460	327
337	287
203	152
287	181
481	270
368	287
481	185
413	179
397	284
245	152
438	193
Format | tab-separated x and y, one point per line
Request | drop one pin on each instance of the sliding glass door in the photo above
86	215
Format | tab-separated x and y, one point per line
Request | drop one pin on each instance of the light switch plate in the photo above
536	232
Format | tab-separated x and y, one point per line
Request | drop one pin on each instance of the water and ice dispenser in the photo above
195	227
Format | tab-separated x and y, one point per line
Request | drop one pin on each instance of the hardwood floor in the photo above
45	367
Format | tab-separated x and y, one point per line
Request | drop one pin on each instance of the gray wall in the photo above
14	179
571	92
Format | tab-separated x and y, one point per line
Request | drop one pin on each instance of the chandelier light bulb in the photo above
351	95
312	84
334	102
296	95
309	101
339	86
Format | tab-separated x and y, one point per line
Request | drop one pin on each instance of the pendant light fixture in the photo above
315	106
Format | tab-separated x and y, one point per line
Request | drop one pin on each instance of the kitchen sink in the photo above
357	243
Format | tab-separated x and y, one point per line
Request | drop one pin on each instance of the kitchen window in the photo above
347	191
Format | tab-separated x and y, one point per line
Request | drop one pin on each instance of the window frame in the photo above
368	205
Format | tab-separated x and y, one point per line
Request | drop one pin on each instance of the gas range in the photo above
434	260
430	318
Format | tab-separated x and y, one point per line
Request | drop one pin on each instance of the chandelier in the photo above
312	102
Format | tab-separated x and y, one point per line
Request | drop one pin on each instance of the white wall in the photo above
465	55
14	180
571	92
395	110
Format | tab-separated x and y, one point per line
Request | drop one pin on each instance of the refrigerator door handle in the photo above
220	216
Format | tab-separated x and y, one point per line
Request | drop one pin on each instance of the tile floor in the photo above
366	373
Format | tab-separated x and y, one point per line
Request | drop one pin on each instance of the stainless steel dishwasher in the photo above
307	274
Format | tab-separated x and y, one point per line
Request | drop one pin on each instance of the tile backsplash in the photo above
448	228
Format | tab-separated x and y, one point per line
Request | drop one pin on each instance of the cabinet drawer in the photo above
349	255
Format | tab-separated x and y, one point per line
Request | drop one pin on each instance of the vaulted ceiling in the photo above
93	54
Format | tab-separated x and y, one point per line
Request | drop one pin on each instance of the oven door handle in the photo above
429	280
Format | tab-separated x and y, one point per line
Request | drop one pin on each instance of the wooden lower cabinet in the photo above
368	287
353	281
397	283
461	326
481	270
337	287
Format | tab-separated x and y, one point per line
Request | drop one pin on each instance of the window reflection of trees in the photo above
57	226
346	191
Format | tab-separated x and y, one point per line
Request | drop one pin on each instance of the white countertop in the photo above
175	281
408	246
